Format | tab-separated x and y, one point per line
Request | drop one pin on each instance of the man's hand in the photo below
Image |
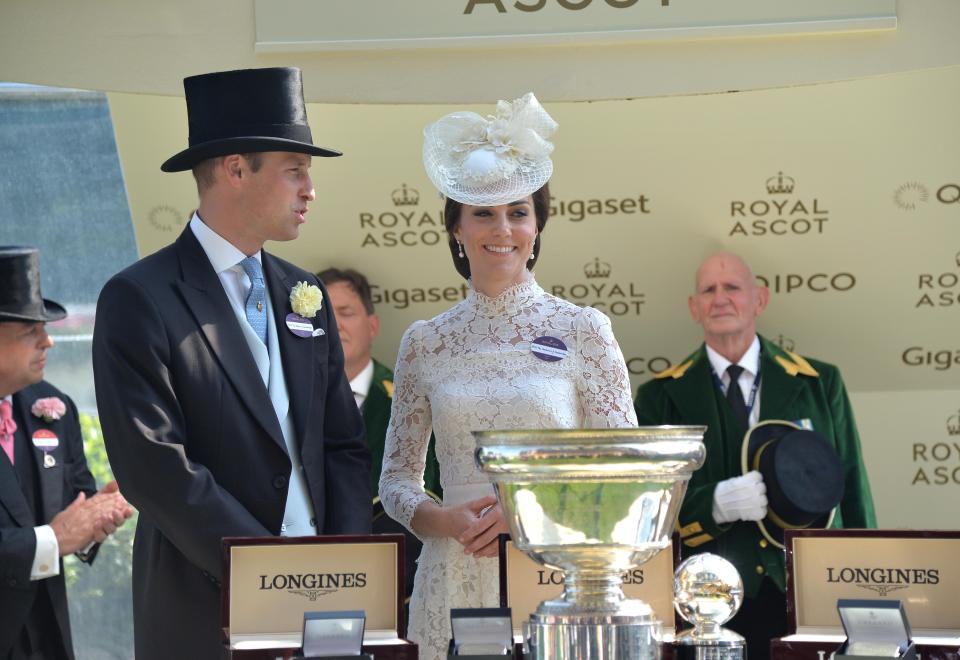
90	520
740	498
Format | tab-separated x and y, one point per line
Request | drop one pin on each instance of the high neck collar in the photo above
507	302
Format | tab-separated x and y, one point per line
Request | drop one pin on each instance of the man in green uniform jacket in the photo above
722	505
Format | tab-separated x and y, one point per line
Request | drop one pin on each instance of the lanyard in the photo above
753	390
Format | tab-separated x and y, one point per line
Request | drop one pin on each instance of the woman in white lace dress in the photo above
510	356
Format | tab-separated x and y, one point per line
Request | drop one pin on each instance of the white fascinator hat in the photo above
488	161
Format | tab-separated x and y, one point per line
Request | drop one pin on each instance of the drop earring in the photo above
460	249
533	254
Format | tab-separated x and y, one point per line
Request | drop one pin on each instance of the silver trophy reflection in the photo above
707	592
593	504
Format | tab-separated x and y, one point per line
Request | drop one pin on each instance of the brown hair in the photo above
203	171
451	219
352	278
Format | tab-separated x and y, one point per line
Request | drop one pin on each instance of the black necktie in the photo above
735	396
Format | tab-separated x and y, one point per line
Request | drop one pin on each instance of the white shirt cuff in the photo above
46	560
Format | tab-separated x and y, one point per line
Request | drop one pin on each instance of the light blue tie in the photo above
256	306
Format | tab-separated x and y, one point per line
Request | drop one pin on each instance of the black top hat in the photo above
245	111
20	298
802	472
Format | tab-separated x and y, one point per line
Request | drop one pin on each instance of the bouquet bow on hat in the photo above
802	472
487	161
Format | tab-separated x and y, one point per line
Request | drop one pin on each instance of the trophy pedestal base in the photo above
710	652
584	639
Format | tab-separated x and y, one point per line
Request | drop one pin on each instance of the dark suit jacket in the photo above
376	419
687	394
59	486
194	440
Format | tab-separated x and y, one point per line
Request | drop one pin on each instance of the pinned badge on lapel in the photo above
299	326
46	441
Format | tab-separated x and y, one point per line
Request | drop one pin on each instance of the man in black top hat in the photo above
733	381
49	506
219	370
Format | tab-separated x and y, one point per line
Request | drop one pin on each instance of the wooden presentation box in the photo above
269	582
917	567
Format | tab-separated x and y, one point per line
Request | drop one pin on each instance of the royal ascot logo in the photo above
811	282
940	289
402	223
598	290
780	214
166	218
784	342
883	581
910	195
536	5
578	210
312	586
938	463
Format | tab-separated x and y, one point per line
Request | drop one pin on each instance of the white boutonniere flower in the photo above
306	299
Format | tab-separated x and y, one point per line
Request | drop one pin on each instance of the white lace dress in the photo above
472	368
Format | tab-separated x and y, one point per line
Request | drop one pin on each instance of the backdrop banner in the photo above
843	197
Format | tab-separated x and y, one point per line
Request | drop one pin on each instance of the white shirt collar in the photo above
750	361
362	381
222	253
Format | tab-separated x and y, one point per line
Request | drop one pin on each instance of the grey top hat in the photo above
245	111
20	297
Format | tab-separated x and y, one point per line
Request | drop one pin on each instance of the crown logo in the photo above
780	184
596	269
404	196
785	343
953	424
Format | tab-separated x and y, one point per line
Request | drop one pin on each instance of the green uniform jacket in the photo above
792	389
376	418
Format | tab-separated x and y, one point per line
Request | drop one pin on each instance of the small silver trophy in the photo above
707	592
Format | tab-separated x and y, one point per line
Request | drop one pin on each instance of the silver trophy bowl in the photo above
593	504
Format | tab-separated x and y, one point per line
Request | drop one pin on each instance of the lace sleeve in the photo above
405	449
604	385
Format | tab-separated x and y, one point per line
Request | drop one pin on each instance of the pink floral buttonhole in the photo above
50	409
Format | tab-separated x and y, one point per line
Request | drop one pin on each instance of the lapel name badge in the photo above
549	349
46	441
299	326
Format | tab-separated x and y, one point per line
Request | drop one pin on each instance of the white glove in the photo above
740	498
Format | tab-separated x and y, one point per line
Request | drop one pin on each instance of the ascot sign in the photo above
362	25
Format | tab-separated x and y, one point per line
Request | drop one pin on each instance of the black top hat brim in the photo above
808	476
50	312
189	157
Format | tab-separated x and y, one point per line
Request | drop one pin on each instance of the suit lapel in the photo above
205	298
50	478
688	393
295	352
778	389
11	495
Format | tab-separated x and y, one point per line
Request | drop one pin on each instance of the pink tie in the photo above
7	428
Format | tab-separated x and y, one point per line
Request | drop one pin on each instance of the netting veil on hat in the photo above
493	160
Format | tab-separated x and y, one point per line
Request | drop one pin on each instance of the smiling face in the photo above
24	349
727	300
276	195
498	241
